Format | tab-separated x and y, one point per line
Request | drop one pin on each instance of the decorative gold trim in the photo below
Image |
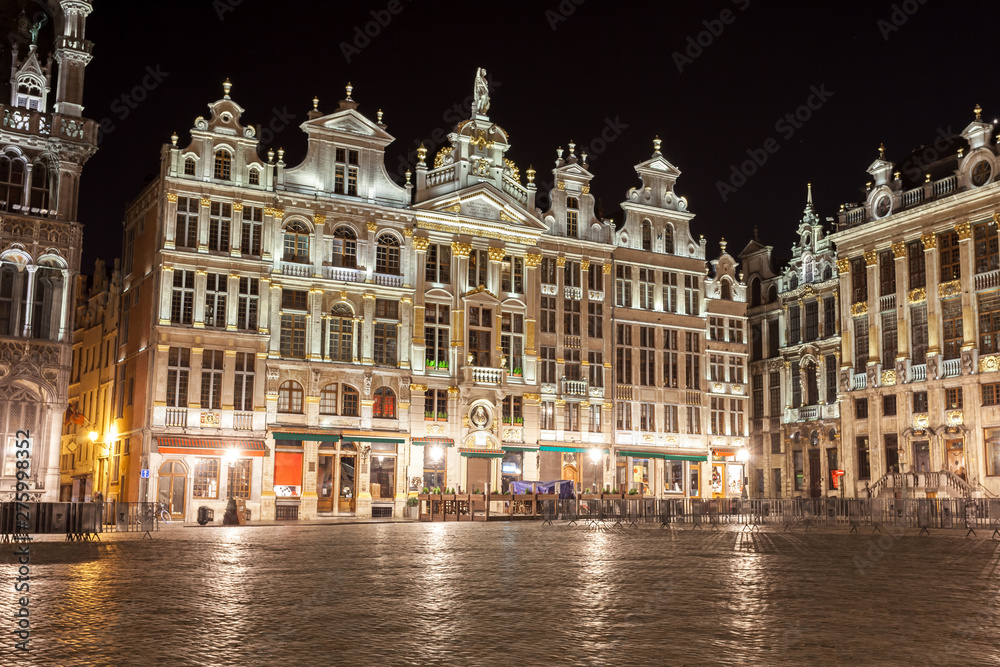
929	241
172	197
560	262
531	397
585	189
418	387
461	249
279	214
319	219
607	269
858	309
561	185
372	226
888	378
238	207
408	232
964	231
532	260
871	258
989	364
497	254
898	250
420	243
917	295
843	265
955	418
585	265
950	288
206	202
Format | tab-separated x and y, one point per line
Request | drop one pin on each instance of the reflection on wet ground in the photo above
510	594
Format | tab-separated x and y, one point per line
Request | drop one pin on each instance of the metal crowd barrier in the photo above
77	521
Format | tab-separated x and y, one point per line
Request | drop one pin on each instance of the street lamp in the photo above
93	435
595	457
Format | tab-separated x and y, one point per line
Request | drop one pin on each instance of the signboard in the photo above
144	473
837	474
509	468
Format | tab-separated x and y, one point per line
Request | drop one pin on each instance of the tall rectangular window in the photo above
987	253
829	317
384	349
864	463
248	297
647	417
812	320
512	274
211	379
647	283
547	318
293	335
623	354
513	410
251	231
623	419
736	369
436	335
794	325
623	286
571	274
951	329
692	365
796	380
693	420
831	378
756	342
886	273
572	417
571	369
757	400
216	289
736	417
920	401
888	338
798	470
219	220
178	368
717	367
571	317
918	335
182	297
692	297
669	291
512	341
481	335
989	322
186	231
953	398
478	262
860	343
716	328
596	368
647	356
595	277
949	256
547	271
206	478
915	264
671	422
438	266
889	405
547	361
859	280
774	393
670	358
773	338
547	415
735	330
595	320
861	408
243	381
717	416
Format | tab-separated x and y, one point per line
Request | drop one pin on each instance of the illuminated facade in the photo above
919	275
42	153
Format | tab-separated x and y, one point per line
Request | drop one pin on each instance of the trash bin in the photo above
205	515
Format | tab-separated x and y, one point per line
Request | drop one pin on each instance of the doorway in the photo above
891	455
815	475
346	500
324	483
922	456
478	474
171	488
955	457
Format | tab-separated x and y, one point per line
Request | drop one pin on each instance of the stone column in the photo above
65	303
263	307
29	300
233	302
968	271
274	320
372	252
404	331
368	331
203	214
267	478
194	378
170	221
198	314
532	261
235	230
310	457
874	323
493	273
932	271
314	325
160	375
902	306
844	308
228	374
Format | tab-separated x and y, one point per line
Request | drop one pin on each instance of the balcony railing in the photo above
918	373
951	368
343	274
484	375
571	292
809	412
387	280
243	421
623	392
860	381
945	185
296	269
987	280
176	417
571	341
913	197
574	387
887	302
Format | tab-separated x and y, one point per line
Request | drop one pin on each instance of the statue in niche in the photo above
479	417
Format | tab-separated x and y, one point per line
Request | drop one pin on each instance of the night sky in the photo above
899	73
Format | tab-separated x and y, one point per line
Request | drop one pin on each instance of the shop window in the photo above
287	474
434	466
511	469
239	479
640	475
992	439
206	479
831	465
383	477
384	406
797	466
673	477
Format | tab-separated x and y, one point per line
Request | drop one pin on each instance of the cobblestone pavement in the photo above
508	594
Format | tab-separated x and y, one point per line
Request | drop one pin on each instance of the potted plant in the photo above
431	363
442	365
516	372
429	415
519	421
633	492
411	503
442	416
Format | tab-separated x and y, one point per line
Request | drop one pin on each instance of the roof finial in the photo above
656	145
379	116
530	174
173	139
979	112
349	88
316	103
723	243
226	87
881	151
572	149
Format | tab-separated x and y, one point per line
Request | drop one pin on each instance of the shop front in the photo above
727	474
662	474
434	454
582	465
188	473
512	465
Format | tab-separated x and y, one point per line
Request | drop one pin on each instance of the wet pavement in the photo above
508	594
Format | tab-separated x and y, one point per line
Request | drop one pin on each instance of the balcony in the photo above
808	413
343	274
860	381
296	269
951	368
176	417
918	373
571	292
571	341
887	302
484	375
574	387
987	280
623	392
387	280
243	421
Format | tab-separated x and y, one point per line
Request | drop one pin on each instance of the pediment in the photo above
575	170
660	164
349	121
484	202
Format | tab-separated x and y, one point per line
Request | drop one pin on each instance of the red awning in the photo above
443	442
210	446
287	469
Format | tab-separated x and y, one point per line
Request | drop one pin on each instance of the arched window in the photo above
48	281
290	397
772	294
807	270
726	291
827	272
341	333
11	181
647	235
189	167
754	292
385	404
794	282
11	282
296	243
223	165
349	407
254	177
39	186
345	248
668	239
387	255
328	400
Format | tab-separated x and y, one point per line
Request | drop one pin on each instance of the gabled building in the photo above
42	153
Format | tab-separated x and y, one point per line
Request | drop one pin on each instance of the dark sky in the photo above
563	70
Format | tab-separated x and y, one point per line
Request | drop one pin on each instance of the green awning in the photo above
559	448
684	457
519	448
662	455
311	437
367	438
483	455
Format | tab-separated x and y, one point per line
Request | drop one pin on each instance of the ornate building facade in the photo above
323	341
43	147
920	272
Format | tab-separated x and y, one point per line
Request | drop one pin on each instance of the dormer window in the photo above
254	177
572	216
189	167
223	165
727	291
346	172
647	235
29	94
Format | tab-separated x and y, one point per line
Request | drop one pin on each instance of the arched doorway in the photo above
171	487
